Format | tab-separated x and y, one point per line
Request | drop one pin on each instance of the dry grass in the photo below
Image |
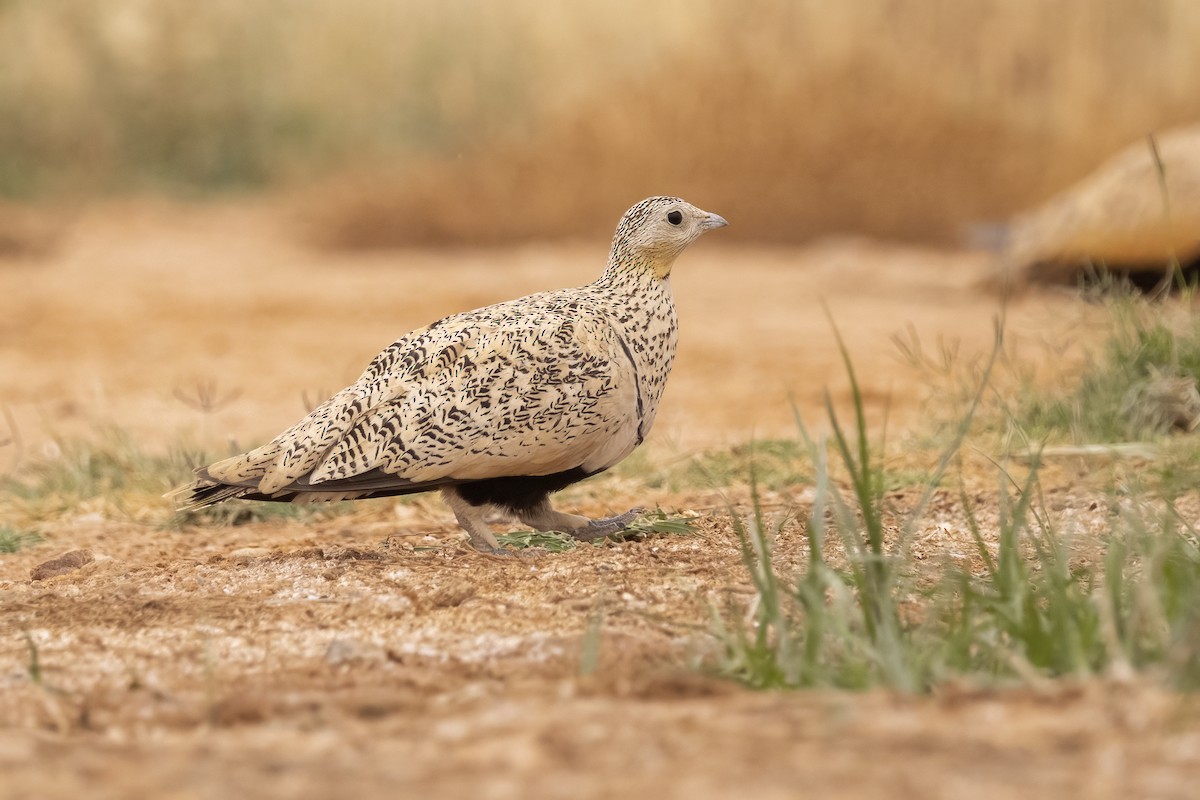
478	122
801	119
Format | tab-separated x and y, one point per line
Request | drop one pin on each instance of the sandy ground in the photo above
146	303
373	654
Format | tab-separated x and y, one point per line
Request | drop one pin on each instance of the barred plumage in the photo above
501	405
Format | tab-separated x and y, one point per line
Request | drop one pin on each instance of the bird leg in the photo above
544	518
471	518
540	517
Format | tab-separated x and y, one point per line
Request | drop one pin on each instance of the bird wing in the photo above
516	389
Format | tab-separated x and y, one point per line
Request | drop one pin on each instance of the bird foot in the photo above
601	528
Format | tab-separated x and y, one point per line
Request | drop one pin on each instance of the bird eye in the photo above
674	217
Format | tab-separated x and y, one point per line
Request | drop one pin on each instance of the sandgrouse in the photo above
500	406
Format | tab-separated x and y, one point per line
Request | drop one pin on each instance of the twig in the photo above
1116	450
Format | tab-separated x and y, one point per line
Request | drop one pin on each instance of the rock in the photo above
453	593
1115	219
244	554
67	562
348	651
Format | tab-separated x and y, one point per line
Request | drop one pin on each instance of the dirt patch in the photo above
334	659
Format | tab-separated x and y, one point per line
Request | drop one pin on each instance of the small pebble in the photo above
244	554
67	562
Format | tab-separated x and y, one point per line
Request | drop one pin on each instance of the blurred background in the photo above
398	122
213	214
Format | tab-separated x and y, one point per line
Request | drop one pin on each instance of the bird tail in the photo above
229	479
201	493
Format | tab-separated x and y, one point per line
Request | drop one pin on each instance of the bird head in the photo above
654	232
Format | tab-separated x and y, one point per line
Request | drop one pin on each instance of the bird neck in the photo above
626	270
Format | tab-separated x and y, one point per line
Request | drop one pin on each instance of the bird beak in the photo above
711	221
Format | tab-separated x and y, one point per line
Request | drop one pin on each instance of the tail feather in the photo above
205	493
208	490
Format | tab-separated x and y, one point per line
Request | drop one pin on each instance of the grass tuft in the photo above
656	522
1032	603
1043	608
12	540
34	668
1140	384
549	541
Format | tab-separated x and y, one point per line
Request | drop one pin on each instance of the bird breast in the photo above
648	328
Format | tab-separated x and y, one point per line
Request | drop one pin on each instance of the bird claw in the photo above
597	529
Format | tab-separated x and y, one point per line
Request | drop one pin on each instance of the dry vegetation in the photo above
802	117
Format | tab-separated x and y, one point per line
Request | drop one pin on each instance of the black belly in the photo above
520	492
